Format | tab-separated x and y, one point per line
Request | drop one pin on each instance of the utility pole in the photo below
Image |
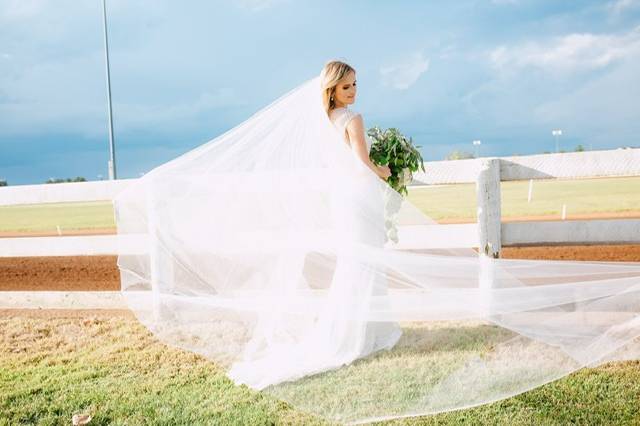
112	149
557	133
476	145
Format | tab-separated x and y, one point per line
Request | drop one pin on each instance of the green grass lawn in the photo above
111	367
45	217
580	196
613	195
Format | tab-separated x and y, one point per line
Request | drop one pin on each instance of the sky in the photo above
506	72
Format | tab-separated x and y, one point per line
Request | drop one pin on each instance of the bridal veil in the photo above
264	250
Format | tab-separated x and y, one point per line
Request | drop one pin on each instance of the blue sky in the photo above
506	72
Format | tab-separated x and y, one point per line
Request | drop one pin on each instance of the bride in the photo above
339	90
329	343
264	250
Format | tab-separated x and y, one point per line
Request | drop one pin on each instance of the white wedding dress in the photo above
264	250
341	332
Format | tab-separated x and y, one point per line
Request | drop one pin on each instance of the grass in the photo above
45	217
111	367
582	196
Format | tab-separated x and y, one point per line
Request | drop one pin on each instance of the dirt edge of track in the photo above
100	273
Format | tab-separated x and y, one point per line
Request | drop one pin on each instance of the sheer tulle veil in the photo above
264	250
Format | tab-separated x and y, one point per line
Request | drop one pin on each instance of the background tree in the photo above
58	180
459	155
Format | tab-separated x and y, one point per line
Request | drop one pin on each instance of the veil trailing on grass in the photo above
264	250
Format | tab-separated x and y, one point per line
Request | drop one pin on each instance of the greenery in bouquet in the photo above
390	147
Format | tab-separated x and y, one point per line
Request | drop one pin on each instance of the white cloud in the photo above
405	73
618	7
604	110
573	52
52	69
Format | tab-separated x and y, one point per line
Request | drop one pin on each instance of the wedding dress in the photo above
382	335
264	250
329	344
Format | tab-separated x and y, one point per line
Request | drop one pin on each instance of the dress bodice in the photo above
340	117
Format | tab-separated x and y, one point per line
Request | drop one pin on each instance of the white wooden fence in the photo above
489	172
489	234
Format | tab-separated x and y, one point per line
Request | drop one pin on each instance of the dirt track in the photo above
59	273
101	272
613	253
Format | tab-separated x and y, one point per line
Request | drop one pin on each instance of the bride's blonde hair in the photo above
331	74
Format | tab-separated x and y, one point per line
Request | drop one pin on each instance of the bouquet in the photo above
392	148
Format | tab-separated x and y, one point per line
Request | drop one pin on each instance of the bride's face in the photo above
346	90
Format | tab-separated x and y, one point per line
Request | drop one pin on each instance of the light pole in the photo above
112	149
476	145
557	133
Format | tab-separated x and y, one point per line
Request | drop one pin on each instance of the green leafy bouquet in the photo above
391	148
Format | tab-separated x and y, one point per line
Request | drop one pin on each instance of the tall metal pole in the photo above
112	149
476	145
557	133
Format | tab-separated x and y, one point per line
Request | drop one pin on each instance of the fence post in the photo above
489	239
488	204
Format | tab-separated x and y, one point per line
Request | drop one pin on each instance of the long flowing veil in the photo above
264	250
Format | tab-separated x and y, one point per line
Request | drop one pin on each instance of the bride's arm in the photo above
355	130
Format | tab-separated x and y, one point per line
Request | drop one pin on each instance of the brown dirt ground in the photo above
83	273
59	273
604	253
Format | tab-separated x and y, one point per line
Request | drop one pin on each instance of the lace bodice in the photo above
341	118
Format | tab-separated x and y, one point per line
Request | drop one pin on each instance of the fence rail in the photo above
103	190
617	162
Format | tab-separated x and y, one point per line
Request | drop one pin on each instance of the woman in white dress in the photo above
342	331
339	91
339	85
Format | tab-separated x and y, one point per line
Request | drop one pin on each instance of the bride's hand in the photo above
384	172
